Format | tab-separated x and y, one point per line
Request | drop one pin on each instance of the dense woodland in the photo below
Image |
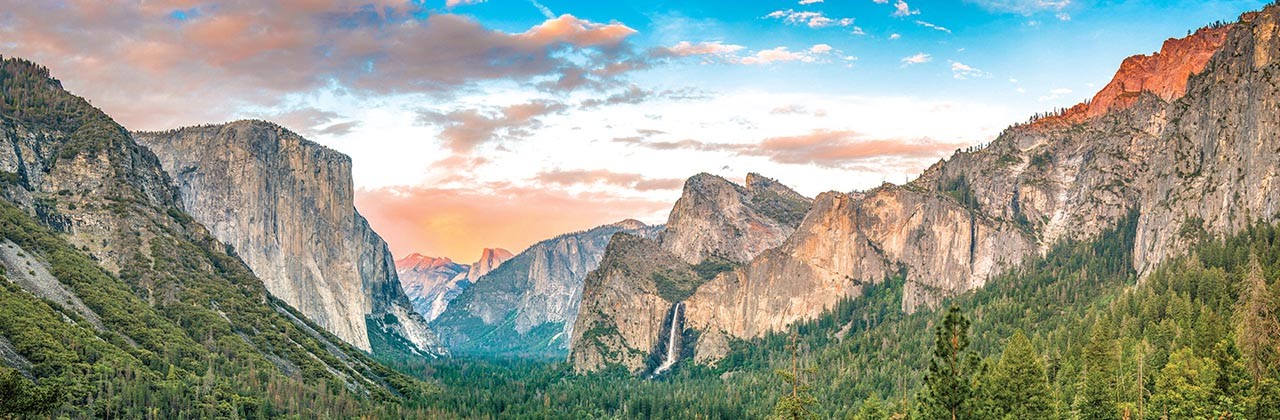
1071	334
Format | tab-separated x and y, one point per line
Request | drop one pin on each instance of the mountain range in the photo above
224	271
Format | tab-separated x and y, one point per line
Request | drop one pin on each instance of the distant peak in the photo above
495	255
631	224
419	261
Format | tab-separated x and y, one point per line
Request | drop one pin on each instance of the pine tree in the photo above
796	404
948	391
21	398
1096	399
1257	323
1185	388
871	409
1017	387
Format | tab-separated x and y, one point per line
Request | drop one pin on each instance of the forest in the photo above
189	332
1070	335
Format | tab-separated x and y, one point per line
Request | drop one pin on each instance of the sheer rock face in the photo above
846	242
1187	141
285	205
714	222
715	217
625	304
431	283
527	306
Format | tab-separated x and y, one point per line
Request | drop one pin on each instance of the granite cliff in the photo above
1185	140
714	227
527	306
285	206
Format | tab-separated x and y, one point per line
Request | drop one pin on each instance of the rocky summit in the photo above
527	306
1183	140
431	283
285	205
714	227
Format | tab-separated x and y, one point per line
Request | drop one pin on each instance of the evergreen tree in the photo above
1017	387
21	398
1096	398
1231	386
1257	323
872	409
796	404
1185	388
948	391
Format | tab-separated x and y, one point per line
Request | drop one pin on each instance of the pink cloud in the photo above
154	68
603	176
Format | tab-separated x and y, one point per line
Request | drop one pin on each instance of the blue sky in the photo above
498	123
1026	40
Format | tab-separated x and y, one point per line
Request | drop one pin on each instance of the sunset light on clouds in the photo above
499	123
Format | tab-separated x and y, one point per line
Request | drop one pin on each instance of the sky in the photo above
499	123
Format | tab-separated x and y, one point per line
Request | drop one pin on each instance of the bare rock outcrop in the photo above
285	205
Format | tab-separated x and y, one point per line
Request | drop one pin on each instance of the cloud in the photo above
807	18
1024	7
895	36
632	95
816	53
836	148
962	71
1055	94
918	58
459	222
778	54
455	3
464	129
729	53
606	177
810	1
714	48
340	129
826	148
152	71
932	26
901	9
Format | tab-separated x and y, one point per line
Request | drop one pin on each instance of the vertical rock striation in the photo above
285	205
715	226
527	306
1186	140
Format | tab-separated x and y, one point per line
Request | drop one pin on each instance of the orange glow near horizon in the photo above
459	224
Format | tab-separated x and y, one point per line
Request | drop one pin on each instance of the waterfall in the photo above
673	341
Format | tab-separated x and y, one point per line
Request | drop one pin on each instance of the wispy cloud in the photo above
918	58
1023	6
807	18
1055	94
962	71
932	26
637	182
464	129
826	148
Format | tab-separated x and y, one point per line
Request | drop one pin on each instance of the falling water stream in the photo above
673	341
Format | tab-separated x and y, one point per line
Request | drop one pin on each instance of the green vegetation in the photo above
959	189
1067	335
788	211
